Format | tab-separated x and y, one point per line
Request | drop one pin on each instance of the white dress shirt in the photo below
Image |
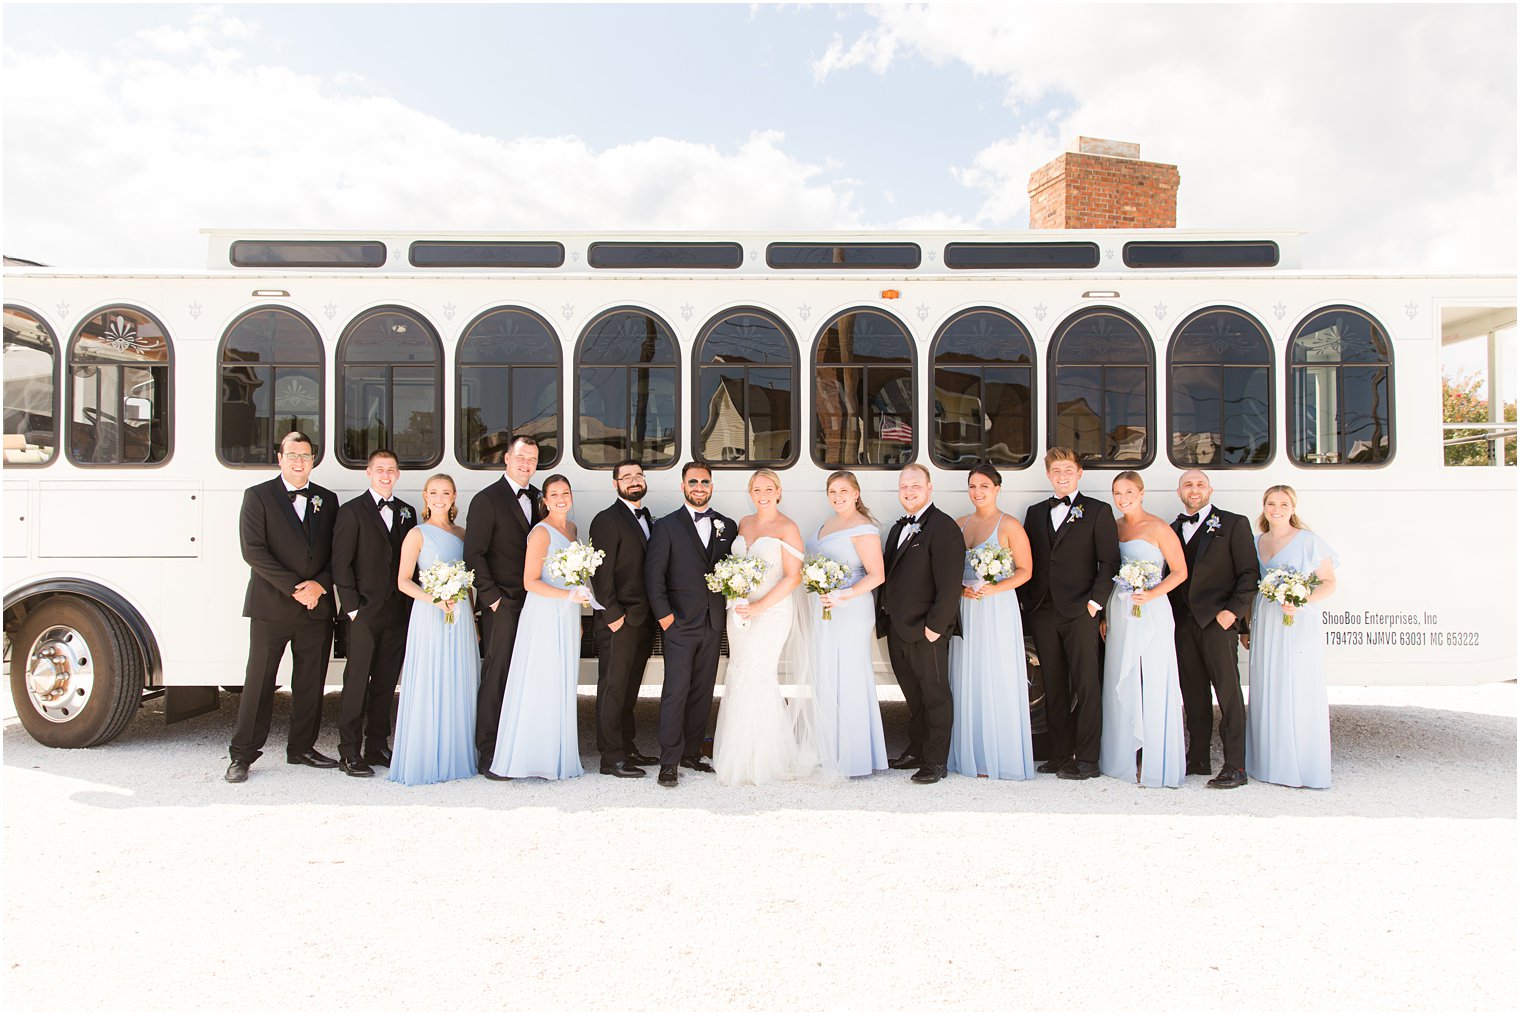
524	503
1190	529
1058	514
704	525
633	510
299	503
386	513
907	529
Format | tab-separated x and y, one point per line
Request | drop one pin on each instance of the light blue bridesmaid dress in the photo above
440	678
1288	714
1142	699
844	678
537	737
989	687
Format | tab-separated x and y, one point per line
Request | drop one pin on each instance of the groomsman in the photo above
495	545
366	558
623	628
1211	608
683	547
918	610
1075	544
286	532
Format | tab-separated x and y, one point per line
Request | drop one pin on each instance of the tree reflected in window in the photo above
745	410
626	391
1220	391
389	396
1340	403
864	393
983	391
1102	399
509	384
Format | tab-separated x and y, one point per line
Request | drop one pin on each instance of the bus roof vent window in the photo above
637	256
1201	254
308	254
471	254
826	257
1021	256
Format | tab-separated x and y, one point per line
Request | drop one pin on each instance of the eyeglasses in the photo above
699	482
297	456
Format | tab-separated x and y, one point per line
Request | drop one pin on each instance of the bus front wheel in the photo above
76	673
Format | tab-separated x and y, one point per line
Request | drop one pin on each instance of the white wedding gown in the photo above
755	742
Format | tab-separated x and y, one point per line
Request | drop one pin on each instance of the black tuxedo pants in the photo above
621	656
1205	657
691	670
376	645
499	627
1072	667
922	669
310	642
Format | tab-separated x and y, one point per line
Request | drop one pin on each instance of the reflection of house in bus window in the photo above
271	384
863	392
1340	408
119	366
389	396
509	383
1478	393
983	391
626	385
1102	400
745	406
1220	391
31	389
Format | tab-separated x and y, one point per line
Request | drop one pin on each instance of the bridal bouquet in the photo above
736	577
447	581
1137	576
822	575
990	562
575	564
1284	585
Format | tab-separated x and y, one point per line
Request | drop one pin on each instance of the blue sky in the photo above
1387	132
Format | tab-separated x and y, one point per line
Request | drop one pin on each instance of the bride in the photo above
758	738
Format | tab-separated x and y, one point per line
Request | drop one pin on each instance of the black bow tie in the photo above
907	519
525	492
386	502
1189	519
303	492
1060	500
643	513
703	514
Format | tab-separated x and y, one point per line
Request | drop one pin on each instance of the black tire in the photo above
117	665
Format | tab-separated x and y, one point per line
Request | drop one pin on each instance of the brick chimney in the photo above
1098	184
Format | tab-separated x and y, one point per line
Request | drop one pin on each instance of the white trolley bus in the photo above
139	406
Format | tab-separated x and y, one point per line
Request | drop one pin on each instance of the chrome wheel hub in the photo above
60	674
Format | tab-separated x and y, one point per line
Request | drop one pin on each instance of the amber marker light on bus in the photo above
890	294
270	292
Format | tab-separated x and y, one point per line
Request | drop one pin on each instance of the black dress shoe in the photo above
380	755
355	768
1079	770
237	772
1197	768
907	759
635	758
668	775
929	774
1228	778
1051	767
623	770
494	777
312	758
696	765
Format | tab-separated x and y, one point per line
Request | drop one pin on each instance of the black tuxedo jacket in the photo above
924	579
676	566
277	549
1075	564
366	555
1221	570
496	541
619	583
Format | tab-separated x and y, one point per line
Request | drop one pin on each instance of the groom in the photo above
918	611
683	547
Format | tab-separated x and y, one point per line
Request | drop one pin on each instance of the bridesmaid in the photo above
844	677
1288	714
989	684
440	673
1142	693
538	737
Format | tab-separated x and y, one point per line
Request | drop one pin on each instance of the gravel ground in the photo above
135	878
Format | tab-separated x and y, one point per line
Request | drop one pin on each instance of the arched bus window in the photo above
1102	393
745	410
863	392
119	399
271	384
627	380
983	391
31	389
389	392
1219	372
508	384
1340	390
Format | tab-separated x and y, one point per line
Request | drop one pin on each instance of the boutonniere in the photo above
406	514
1076	513
1213	524
913	529
316	503
718	526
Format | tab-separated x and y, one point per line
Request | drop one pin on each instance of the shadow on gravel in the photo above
1390	762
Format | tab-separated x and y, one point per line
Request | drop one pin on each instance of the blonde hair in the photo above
453	508
849	477
921	468
1061	454
1133	477
1292	495
765	474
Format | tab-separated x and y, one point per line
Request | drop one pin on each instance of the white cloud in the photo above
1387	131
120	161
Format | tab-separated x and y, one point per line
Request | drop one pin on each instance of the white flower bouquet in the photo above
1283	585
736	577
447	581
1137	576
575	564
990	563
822	575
